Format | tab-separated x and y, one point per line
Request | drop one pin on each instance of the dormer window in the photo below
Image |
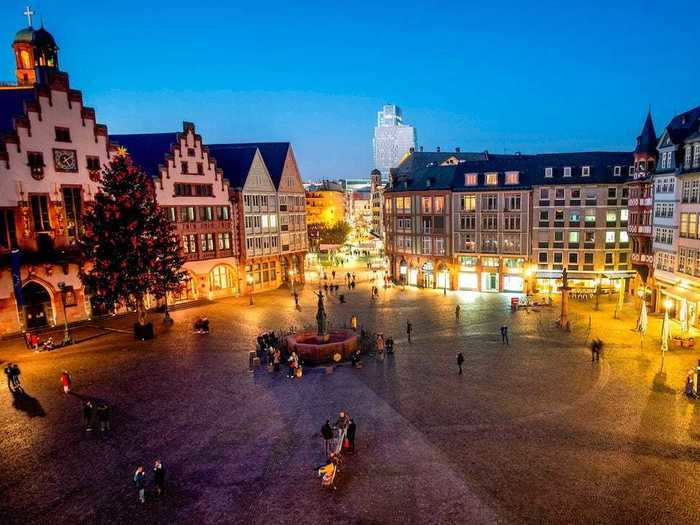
688	155
512	177
567	171
585	171
548	173
190	152
617	171
631	171
470	179
491	179
696	155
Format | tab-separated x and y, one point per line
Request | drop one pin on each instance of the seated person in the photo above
327	471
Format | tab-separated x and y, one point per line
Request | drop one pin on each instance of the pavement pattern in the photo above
532	432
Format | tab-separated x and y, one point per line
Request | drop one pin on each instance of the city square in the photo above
531	432
297	263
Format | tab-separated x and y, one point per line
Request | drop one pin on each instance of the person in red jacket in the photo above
66	381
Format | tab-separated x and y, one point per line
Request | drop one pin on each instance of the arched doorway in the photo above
221	279
37	305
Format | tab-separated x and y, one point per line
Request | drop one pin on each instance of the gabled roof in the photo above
647	141
531	169
683	125
12	105
274	155
235	160
147	150
422	159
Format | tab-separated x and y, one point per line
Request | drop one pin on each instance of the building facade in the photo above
641	210
676	208
51	148
325	203
195	195
511	223
393	139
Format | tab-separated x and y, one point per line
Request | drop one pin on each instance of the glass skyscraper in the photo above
392	139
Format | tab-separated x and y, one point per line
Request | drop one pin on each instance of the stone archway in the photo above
38	310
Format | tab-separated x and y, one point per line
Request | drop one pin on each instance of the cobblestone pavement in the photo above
532	432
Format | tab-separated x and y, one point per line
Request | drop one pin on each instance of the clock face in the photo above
65	160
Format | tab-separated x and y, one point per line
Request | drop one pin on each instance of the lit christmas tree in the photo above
131	246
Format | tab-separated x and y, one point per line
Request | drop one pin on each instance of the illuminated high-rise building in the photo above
392	139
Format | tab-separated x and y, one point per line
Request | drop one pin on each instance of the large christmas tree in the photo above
131	246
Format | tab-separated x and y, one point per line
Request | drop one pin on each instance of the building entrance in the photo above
37	305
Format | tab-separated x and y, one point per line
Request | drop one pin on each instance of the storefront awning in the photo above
619	275
548	274
681	294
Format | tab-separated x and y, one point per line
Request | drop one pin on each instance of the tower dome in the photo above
35	50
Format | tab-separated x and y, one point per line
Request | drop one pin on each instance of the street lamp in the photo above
291	276
444	282
597	293
67	340
249	279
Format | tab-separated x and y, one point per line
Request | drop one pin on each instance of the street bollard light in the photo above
249	280
67	340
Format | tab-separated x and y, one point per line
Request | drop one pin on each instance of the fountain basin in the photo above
336	346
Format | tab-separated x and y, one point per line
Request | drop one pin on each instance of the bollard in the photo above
251	359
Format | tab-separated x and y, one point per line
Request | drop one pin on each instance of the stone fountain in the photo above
323	346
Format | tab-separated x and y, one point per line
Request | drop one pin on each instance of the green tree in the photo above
131	246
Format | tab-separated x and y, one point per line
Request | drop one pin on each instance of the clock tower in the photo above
36	53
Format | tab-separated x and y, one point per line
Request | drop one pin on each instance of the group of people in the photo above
344	428
201	325
34	342
158	480
12	372
99	414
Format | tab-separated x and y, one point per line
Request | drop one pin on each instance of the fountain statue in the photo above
323	346
321	317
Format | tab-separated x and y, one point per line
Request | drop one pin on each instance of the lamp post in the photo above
67	340
291	276
444	282
249	280
597	293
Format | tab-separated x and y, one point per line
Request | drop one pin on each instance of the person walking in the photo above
87	415
8	373
327	433
350	435
66	381
14	377
28	340
460	361
140	483
504	335
409	329
596	347
457	311
296	299
103	417
380	346
159	476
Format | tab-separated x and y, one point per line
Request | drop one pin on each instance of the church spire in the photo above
646	141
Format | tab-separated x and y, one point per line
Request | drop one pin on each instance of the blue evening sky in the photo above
504	76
